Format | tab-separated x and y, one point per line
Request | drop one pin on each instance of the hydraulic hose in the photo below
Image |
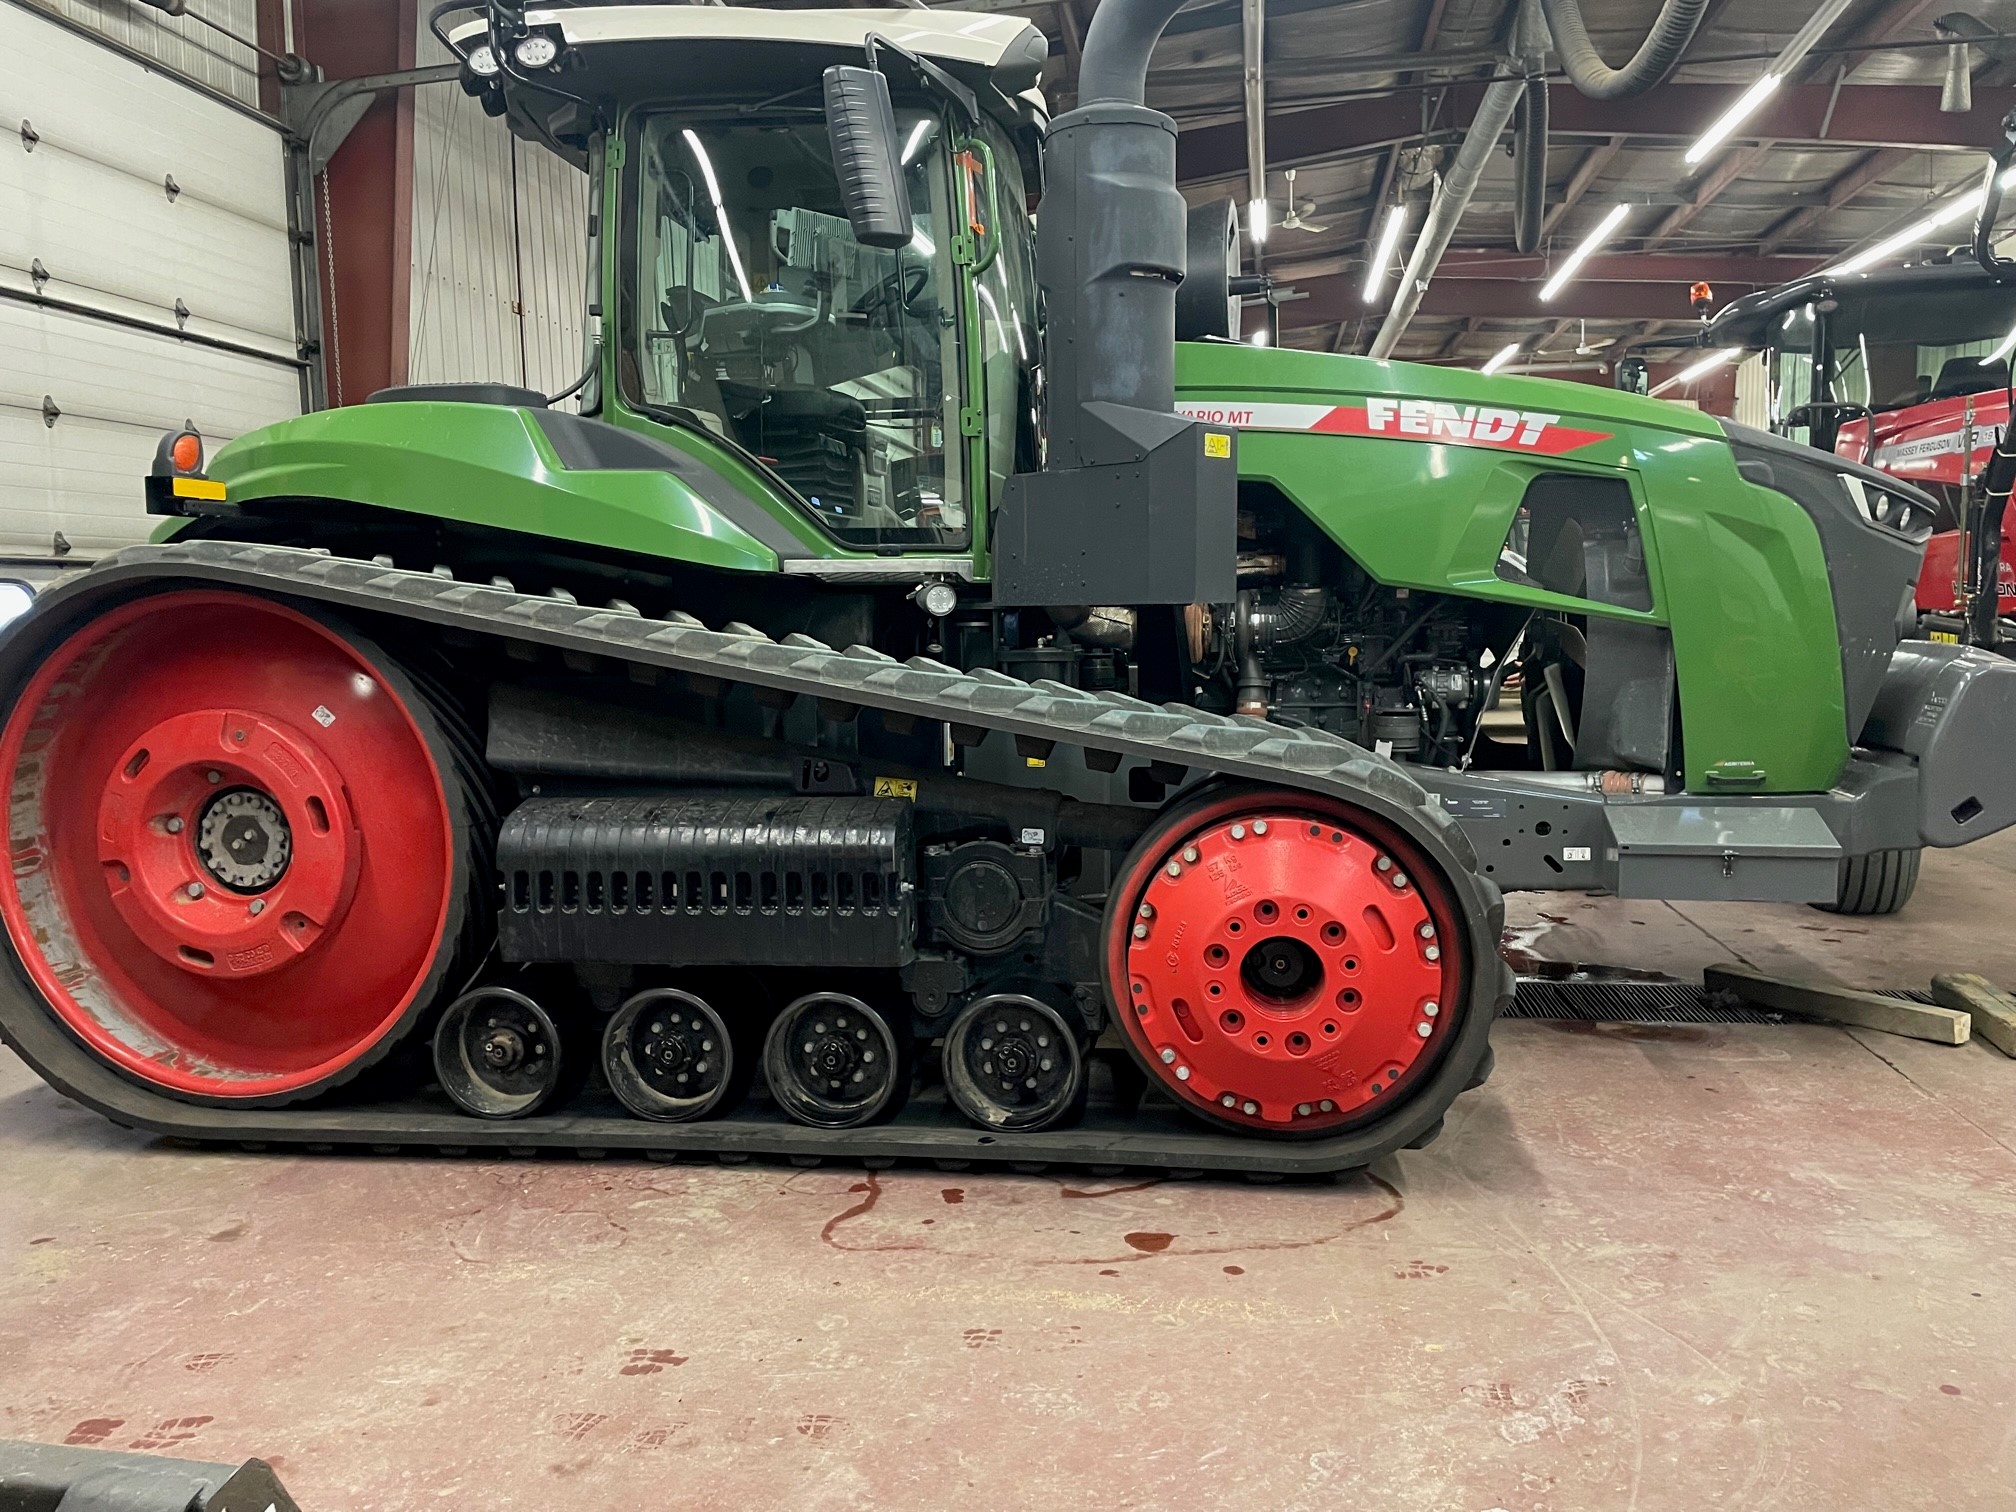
1529	167
1664	43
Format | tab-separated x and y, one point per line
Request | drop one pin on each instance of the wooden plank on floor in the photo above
1993	1011
1841	1005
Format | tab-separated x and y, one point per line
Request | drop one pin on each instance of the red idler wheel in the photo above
237	865
1285	964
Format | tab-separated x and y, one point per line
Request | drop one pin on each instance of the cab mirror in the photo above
1633	375
862	126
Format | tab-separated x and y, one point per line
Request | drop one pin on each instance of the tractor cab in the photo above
882	391
1903	368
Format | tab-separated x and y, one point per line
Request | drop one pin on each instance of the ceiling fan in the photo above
1297	210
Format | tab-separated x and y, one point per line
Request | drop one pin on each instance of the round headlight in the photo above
482	61
938	599
535	51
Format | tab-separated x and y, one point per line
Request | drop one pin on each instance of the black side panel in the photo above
584	444
1161	530
1627	697
708	881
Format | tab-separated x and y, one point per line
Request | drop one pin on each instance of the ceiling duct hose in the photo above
1656	55
1529	167
1452	198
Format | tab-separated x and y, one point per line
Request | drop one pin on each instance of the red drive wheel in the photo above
1284	964
238	845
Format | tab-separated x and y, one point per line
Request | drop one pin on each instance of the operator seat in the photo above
1969	375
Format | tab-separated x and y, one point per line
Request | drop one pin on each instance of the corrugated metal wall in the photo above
500	232
187	46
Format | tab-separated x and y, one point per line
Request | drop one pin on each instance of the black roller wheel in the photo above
1011	1062
833	1062
1878	883
498	1054
669	1056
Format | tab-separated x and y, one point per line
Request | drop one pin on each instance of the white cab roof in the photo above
947	35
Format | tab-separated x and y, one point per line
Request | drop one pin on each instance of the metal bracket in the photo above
321	115
30	137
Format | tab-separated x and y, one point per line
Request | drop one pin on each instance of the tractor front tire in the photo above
1879	883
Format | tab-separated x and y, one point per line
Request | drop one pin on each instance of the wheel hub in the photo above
226	842
243	840
1284	971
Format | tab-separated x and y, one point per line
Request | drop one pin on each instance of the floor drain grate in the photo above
1599	1001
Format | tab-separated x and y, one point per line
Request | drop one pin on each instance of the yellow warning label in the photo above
196	488
1946	637
1217	444
896	787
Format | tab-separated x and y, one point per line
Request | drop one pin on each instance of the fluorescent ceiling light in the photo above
1823	16
1746	106
917	135
1256	222
720	212
1500	357
1382	256
1605	229
1919	231
1700	369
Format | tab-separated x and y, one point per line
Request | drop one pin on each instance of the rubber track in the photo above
1247	749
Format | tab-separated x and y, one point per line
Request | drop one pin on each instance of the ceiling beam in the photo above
1332	299
1586	173
1479	263
1867	115
1731	168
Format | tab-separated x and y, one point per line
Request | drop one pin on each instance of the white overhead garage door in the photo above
144	281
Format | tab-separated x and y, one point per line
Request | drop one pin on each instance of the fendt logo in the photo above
1408	420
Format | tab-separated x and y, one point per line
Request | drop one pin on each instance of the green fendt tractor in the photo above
919	707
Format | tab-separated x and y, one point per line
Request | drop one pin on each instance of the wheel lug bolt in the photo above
1190	854
1140	931
1175	868
1433	952
258	907
194	889
1424	1030
1301	1110
1431	1009
1328	1106
1228	1100
1147	911
173	824
1384	863
1259	826
1238	832
214	776
1182	1073
1168	1057
1249	1108
1427	931
1399	879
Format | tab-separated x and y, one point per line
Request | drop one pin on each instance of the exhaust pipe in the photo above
1135	504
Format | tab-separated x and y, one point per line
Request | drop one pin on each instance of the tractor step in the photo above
1108	727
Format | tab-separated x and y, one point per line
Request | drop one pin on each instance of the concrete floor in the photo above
1646	1268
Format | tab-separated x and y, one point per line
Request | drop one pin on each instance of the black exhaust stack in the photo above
1135	504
